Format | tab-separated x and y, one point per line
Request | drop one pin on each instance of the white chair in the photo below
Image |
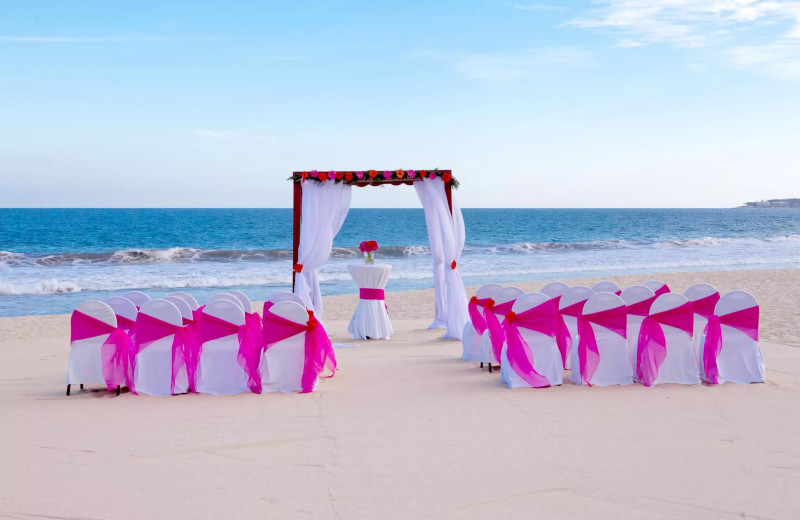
85	364
657	286
501	299
740	360
218	368
614	367
123	307
137	297
153	369
471	339
701	292
285	296
242	297
633	297
282	370
226	297
606	286
546	357
180	303
680	364
554	289
188	298
572	296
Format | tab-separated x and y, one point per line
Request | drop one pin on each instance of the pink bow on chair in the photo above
652	348
616	320
185	347
541	318
115	350
745	320
250	338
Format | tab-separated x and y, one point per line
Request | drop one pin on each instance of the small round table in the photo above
370	319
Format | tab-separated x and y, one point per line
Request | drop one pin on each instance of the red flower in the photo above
312	322
453	265
511	316
474	300
304	175
298	268
372	245
348	176
446	177
489	304
339	175
422	173
323	176
373	174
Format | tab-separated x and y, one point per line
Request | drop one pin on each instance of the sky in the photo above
608	103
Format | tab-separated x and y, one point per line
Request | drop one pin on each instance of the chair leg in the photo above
481	364
118	389
81	386
68	389
490	367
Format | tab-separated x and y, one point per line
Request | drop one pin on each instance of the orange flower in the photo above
339	175
323	176
298	268
373	174
400	174
446	177
348	176
453	265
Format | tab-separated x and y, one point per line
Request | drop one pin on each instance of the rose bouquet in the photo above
368	247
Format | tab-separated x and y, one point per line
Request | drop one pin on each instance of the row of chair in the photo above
173	345
645	333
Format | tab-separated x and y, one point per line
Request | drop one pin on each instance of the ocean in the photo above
53	259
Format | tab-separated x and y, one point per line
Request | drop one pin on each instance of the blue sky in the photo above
622	103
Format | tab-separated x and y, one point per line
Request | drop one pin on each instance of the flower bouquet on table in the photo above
368	247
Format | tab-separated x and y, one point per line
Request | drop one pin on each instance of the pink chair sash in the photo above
371	294
652	347
662	290
563	337
114	351
185	347
615	320
125	323
705	306
475	315
541	318
495	329
641	308
197	312
318	348
745	320
250	338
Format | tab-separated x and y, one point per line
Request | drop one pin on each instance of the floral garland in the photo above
373	176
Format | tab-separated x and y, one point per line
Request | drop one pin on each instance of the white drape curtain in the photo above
325	206
447	235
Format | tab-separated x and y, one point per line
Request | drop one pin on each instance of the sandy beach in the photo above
406	429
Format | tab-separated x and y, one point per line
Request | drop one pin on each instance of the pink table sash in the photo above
563	337
475	315
496	335
541	318
615	320
318	348
371	294
249	335
641	308
705	306
652	346
114	351
185	347
745	320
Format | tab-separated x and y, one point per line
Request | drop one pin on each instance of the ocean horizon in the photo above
52	259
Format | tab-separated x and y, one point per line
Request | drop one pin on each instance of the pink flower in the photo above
314	173
332	174
411	173
387	174
360	175
432	175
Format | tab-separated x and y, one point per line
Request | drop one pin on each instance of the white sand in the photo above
405	430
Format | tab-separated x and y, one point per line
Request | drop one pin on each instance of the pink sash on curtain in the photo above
705	306
641	308
185	347
114	351
563	337
318	348
250	338
541	318
616	320
475	315
745	320
652	348
495	329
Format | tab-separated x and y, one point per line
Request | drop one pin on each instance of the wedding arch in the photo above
321	202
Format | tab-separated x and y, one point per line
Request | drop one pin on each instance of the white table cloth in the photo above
370	319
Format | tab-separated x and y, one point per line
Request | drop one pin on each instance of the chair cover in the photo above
657	286
159	362
704	298
602	356
245	301
370	318
226	297
188	298
570	306
285	296
125	311
731	351
531	357
474	329
607	286
223	333
554	290
92	324
665	352
297	349
493	338
638	300
186	311
137	297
